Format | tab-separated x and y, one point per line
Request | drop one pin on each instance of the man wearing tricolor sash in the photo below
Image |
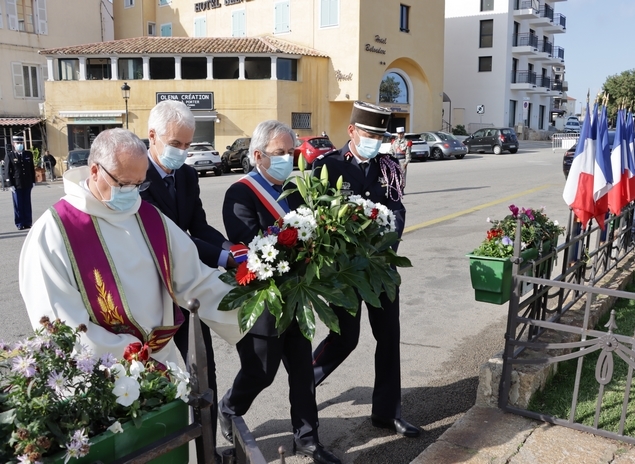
251	205
103	258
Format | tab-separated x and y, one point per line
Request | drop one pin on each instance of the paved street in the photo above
446	335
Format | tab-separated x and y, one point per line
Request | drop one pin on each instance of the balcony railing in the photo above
560	20
524	77
557	86
546	12
545	46
544	81
525	39
558	52
528	5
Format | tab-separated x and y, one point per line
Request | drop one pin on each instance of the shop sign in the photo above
193	100
340	76
209	5
96	121
378	49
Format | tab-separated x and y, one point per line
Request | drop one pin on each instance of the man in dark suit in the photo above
380	180
20	170
175	191
250	207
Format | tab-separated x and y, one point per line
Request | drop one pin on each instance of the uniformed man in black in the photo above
377	178
20	170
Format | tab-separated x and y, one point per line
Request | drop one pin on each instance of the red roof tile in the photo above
19	121
186	46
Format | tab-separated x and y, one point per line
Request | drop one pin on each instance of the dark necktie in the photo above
169	183
363	167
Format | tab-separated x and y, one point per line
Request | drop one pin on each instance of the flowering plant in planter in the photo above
321	253
536	228
55	394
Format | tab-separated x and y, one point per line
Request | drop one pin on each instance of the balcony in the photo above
557	56
558	25
544	50
523	80
525	44
545	17
527	9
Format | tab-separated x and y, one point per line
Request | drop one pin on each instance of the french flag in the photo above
622	172
602	174
630	150
578	190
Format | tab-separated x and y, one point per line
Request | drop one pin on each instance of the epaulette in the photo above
328	153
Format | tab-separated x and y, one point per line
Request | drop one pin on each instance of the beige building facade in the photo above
303	62
27	26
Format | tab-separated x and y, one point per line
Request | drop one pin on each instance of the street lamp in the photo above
125	93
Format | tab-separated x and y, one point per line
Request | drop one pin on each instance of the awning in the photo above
92	114
19	121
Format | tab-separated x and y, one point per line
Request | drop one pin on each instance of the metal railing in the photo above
560	20
545	46
546	11
525	39
524	77
557	321
564	140
528	5
558	52
544	81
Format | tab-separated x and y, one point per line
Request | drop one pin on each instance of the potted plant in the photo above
40	172
490	264
61	404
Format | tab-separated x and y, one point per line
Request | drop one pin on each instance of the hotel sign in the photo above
212	4
193	100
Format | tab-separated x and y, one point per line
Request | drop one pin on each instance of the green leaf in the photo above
386	241
301	163
324	176
251	310
351	273
7	417
238	296
306	320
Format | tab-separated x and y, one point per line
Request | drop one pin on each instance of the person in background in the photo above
400	148
376	178
20	170
174	189
48	163
251	205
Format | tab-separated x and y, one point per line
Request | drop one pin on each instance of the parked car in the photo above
204	158
567	159
419	150
237	155
311	147
443	145
77	158
572	125
496	140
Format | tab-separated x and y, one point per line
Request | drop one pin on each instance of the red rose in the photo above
374	213
137	352
288	237
243	274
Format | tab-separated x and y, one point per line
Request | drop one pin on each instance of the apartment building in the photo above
500	57
303	62
27	26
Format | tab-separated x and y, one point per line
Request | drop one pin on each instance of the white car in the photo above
419	150
572	125
204	158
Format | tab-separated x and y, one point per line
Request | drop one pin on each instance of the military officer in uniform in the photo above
20	170
377	178
400	149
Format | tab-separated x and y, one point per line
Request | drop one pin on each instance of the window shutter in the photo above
238	23
166	30
329	12
200	29
334	12
18	80
281	17
1	26
42	26
12	14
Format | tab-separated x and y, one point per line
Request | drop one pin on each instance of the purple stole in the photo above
267	195
97	277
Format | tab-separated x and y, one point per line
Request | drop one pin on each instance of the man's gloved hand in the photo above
12	188
239	252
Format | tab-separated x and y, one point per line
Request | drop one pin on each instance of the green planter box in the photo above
108	446
492	277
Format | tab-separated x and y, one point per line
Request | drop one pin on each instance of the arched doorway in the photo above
395	93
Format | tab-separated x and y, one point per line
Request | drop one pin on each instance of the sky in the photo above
598	43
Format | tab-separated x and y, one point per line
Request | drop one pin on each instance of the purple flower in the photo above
60	353
24	365
107	360
4	346
85	364
530	214
514	210
56	382
507	241
272	230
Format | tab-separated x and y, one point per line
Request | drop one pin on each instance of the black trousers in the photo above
335	348
260	358
22	214
181	340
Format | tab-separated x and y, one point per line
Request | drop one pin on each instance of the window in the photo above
152	29
225	67
193	68
393	89
404	20
26	81
200	27
1	26
484	64
287	69
166	30
130	68
238	23
257	68
541	117
487	5
300	120
512	113
98	68
329	13
128	3
162	68
164	2
69	69
281	17
24	16
486	33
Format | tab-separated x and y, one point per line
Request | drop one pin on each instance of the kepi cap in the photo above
401	130
17	138
370	118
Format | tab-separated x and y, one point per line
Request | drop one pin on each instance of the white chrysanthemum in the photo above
265	271
254	263
126	390
304	211
292	219
305	233
283	267
269	253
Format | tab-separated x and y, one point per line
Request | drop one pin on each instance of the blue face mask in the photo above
280	167
367	147
121	201
19	147
172	158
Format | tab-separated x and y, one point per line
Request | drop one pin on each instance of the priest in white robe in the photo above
107	192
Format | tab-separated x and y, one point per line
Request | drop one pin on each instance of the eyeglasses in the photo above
278	153
127	188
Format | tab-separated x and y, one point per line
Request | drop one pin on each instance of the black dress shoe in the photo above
399	426
226	427
316	451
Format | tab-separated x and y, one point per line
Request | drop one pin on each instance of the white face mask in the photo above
367	147
171	157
